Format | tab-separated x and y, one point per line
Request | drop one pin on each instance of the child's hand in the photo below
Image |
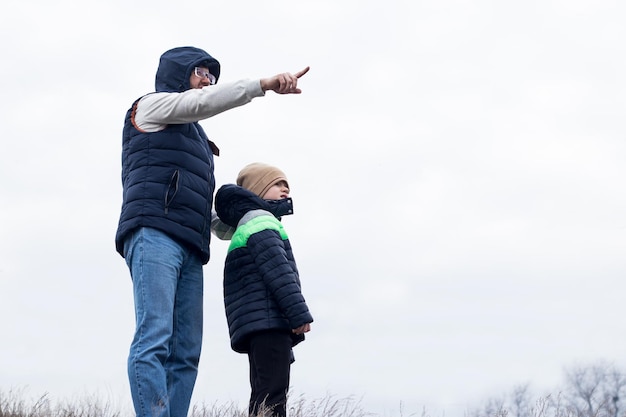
302	329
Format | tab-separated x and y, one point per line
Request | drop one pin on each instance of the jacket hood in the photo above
176	66
232	202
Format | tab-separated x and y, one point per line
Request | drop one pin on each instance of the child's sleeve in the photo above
270	257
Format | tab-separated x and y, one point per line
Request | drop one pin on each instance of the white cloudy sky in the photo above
457	168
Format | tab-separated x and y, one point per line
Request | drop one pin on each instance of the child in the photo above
266	312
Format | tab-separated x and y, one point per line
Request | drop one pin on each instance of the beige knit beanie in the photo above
259	177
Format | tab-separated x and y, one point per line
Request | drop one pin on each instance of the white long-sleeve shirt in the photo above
155	111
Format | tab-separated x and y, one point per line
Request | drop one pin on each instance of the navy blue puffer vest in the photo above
168	175
168	184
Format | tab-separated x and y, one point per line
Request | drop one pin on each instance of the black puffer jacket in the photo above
261	283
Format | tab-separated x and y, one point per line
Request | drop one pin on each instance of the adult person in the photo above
164	225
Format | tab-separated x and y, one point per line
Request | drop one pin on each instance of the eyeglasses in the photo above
202	73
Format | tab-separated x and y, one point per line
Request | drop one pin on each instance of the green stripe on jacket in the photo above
255	225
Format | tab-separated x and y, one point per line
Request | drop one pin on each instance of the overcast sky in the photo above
457	170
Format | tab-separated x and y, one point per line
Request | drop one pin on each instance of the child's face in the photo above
277	191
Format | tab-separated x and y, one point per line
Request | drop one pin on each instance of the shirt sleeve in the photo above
219	228
157	110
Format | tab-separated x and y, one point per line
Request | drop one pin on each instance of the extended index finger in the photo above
301	73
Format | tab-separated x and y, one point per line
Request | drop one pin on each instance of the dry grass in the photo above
16	403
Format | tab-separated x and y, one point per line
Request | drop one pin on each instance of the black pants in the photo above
270	359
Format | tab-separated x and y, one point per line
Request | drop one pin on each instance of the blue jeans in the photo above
164	355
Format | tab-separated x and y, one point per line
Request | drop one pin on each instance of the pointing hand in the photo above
285	83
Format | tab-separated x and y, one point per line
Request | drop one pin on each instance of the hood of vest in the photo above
176	67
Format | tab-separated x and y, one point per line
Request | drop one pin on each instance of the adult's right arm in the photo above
155	111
